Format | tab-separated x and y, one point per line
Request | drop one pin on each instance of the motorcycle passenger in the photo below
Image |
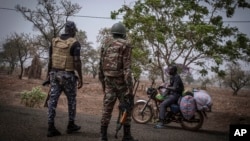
174	91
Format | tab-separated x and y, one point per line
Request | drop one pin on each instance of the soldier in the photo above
115	75
64	60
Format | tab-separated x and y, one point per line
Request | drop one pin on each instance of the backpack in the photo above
187	106
112	55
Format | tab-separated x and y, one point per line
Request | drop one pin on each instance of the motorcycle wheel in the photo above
193	124
140	116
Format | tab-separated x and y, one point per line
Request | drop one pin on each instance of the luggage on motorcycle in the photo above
159	97
187	106
203	100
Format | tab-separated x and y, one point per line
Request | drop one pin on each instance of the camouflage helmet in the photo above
70	26
118	28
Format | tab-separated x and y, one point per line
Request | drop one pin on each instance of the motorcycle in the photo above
145	110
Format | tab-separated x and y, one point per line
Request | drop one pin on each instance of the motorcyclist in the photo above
173	92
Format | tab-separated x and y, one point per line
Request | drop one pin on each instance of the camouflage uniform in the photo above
116	79
117	76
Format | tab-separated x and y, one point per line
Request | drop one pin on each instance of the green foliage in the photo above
200	39
33	98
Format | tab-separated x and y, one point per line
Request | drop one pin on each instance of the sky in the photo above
12	21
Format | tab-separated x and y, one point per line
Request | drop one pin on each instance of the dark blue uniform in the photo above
63	81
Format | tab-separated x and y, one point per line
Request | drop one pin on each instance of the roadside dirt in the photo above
227	109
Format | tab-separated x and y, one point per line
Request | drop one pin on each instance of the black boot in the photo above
127	134
72	127
52	131
104	136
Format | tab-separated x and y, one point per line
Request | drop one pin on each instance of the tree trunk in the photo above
21	73
236	92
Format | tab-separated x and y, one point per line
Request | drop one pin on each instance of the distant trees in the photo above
89	55
49	17
162	30
189	78
16	50
236	78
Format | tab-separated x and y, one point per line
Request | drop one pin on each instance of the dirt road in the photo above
19	123
28	124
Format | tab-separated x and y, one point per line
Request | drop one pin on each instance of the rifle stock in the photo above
123	114
47	99
103	86
121	122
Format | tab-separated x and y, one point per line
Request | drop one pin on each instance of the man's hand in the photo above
129	91
79	85
46	82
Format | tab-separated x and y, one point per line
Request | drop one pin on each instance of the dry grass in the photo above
226	107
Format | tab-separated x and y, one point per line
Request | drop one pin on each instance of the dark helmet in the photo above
172	70
70	27
118	28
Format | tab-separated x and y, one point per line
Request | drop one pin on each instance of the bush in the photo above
33	98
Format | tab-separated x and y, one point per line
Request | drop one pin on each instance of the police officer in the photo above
174	91
64	61
115	75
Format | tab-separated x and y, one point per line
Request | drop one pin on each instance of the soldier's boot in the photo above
127	134
52	131
104	136
72	127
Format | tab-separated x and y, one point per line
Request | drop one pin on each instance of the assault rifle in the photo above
123	109
46	83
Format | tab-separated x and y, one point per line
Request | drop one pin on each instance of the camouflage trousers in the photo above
62	81
115	88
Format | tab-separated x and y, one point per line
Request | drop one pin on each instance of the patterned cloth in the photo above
187	106
66	82
115	88
115	75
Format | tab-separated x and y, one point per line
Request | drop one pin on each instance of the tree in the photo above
171	39
236	78
103	35
16	50
219	78
204	81
189	78
89	55
49	18
9	55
